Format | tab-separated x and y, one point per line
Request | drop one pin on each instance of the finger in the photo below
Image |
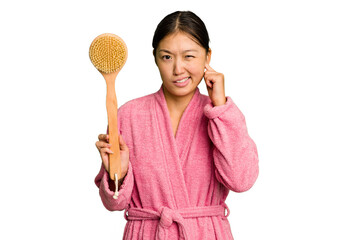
210	78
207	66
103	137
210	75
102	144
208	83
103	151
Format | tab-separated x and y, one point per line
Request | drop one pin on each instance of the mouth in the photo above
182	80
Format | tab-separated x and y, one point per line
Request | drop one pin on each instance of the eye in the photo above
189	56
166	57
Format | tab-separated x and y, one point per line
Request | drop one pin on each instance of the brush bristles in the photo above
108	53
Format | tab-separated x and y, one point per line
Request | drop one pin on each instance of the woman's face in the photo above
181	62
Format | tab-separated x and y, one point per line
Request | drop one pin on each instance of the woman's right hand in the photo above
104	149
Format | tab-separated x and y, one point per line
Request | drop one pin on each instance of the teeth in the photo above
182	80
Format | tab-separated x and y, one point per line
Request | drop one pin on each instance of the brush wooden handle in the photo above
111	107
108	53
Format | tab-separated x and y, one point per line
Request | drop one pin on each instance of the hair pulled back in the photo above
183	21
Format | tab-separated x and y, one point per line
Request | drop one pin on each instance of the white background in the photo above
292	67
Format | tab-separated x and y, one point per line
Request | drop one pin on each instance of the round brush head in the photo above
108	53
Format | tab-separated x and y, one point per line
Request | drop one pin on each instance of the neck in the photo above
177	103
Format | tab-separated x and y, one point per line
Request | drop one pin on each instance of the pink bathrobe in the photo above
176	187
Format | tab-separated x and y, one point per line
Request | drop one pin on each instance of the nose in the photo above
178	67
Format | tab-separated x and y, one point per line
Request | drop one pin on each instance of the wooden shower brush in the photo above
108	53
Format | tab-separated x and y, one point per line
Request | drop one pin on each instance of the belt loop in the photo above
227	210
125	213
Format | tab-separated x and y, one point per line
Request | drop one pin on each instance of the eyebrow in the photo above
167	51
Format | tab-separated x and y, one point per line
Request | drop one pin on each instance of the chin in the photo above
181	92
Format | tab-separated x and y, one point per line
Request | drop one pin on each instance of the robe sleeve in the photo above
235	153
106	195
125	189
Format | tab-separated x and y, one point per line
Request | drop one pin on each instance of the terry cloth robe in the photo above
176	187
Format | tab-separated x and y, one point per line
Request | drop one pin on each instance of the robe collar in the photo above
176	149
188	119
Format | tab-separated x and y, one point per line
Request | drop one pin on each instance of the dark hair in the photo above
184	21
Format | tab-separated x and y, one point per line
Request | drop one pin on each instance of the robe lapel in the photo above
188	124
175	148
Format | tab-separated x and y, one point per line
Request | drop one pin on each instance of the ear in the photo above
208	56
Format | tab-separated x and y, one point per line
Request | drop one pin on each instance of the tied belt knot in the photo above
168	216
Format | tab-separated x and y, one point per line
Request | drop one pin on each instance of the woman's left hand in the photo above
215	85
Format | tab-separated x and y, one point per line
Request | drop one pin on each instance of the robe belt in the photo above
167	216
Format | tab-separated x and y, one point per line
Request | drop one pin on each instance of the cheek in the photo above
164	70
196	69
